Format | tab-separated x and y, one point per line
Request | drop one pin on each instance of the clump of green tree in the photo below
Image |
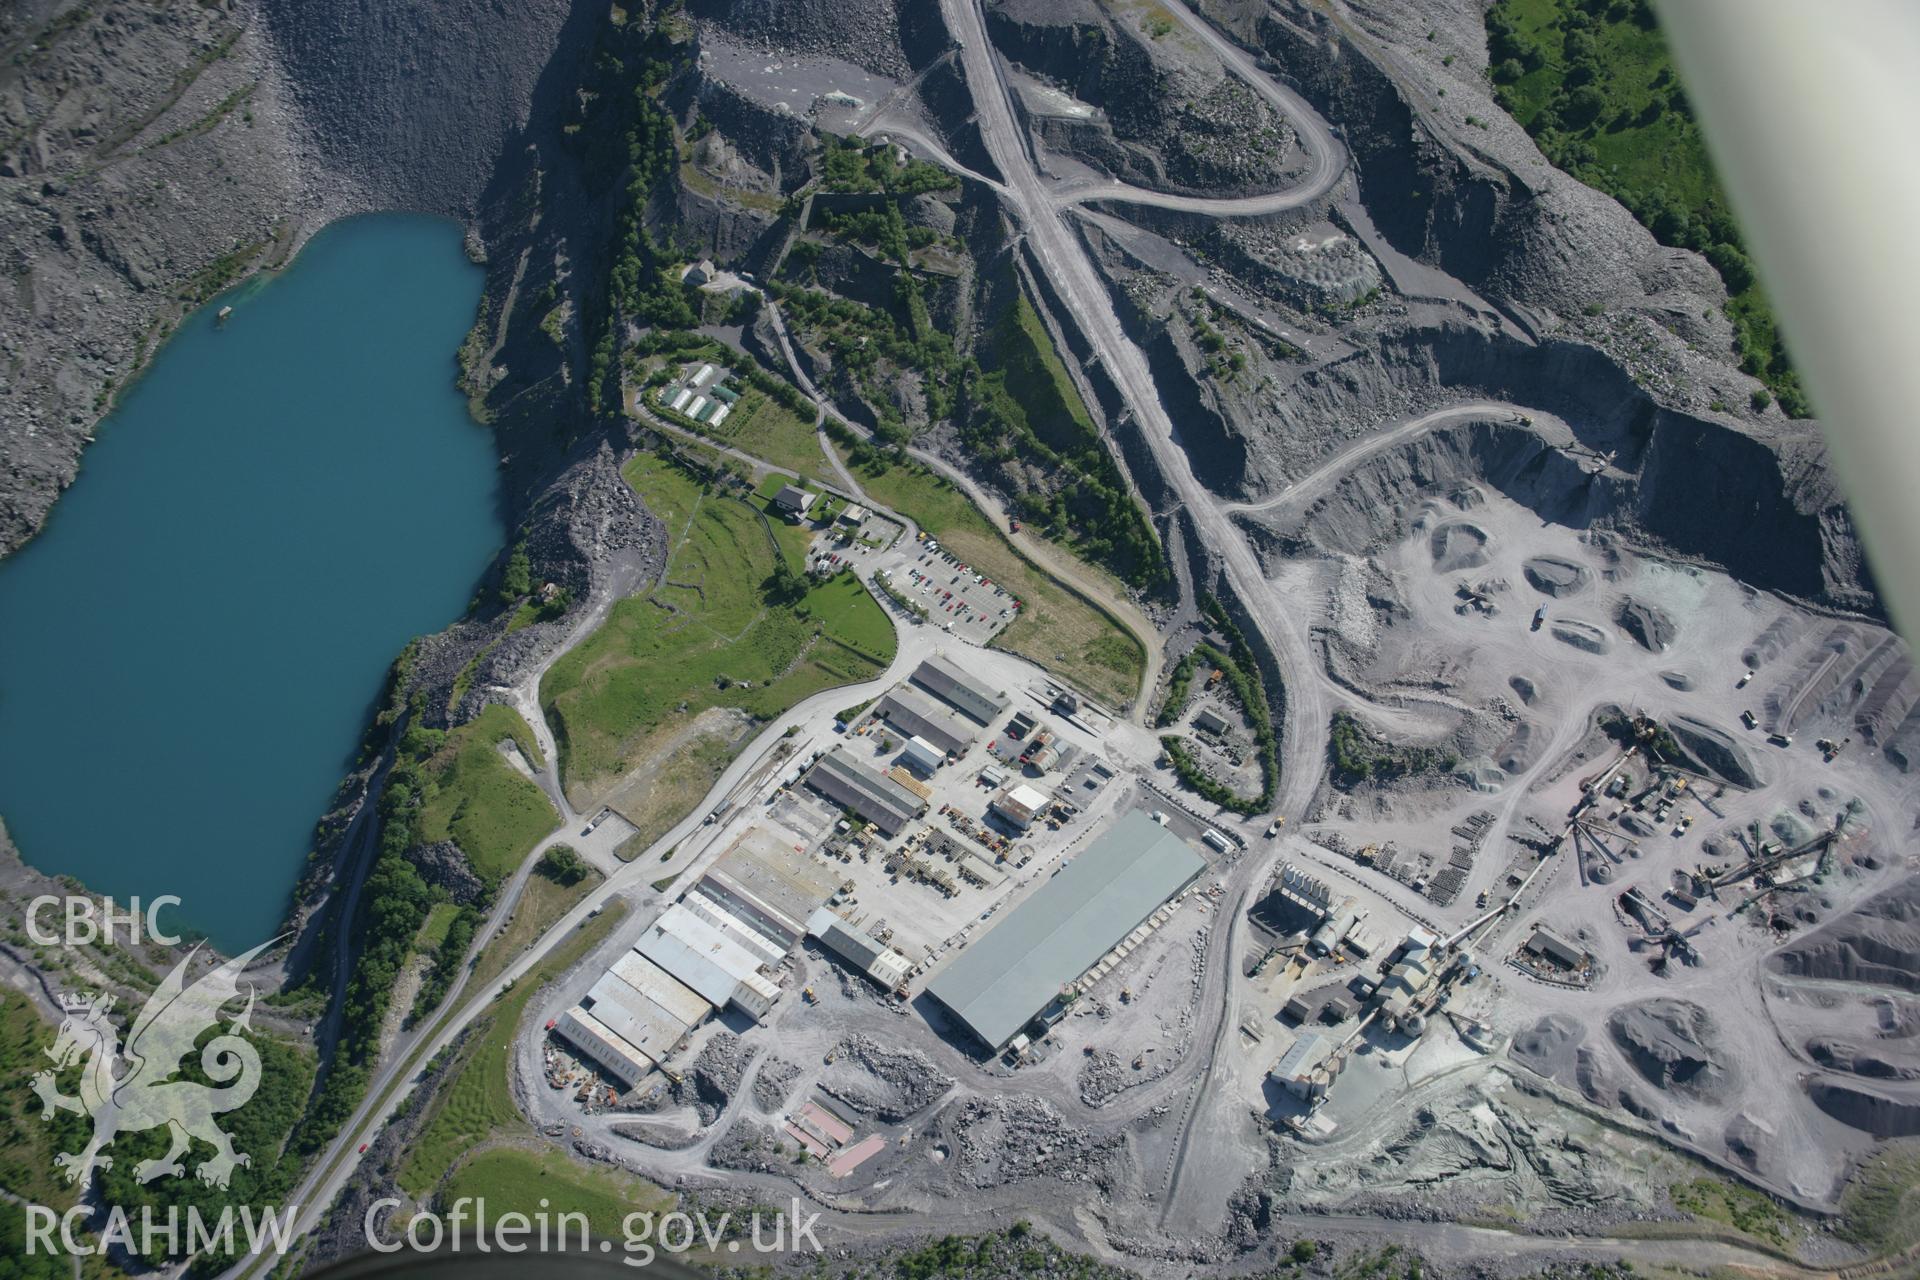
563	865
786	585
516	579
884	228
394	903
1357	755
1025	418
627	137
1179	686
1239	667
864	341
447	959
1595	85
260	1129
850	165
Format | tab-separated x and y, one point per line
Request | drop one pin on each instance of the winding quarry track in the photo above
1066	263
1208	1132
1069	267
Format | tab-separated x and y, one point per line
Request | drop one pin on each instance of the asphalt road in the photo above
1061	568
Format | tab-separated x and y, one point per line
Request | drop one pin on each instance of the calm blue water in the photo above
190	650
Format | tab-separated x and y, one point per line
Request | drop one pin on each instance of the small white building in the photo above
1295	1070
1020	805
922	756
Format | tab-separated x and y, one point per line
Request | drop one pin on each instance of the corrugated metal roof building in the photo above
958	688
1210	721
875	797
762	885
636	1018
707	959
1545	942
680	1002
1015	971
914	714
715	913
881	963
1294	1071
603	1046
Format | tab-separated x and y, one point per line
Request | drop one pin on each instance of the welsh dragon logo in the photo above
128	1089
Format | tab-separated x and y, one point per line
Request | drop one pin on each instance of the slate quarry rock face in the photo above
414	103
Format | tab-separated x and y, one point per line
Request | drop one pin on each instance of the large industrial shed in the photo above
873	796
914	714
958	688
1009	976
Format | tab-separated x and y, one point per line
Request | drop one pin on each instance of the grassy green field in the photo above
1056	628
1881	1210
434	931
27	1143
1594	83
774	434
1038	380
514	1179
494	812
733	625
476	1102
1733	1205
543	901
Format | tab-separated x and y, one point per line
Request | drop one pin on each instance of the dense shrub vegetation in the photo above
1358	755
1242	673
1594	83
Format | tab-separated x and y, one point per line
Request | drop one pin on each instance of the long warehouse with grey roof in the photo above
916	715
873	796
1012	974
959	688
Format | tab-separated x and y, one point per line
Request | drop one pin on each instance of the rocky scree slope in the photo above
1621	336
1172	117
152	153
886	37
411	105
142	165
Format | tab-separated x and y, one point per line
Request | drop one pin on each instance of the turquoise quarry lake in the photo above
190	650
